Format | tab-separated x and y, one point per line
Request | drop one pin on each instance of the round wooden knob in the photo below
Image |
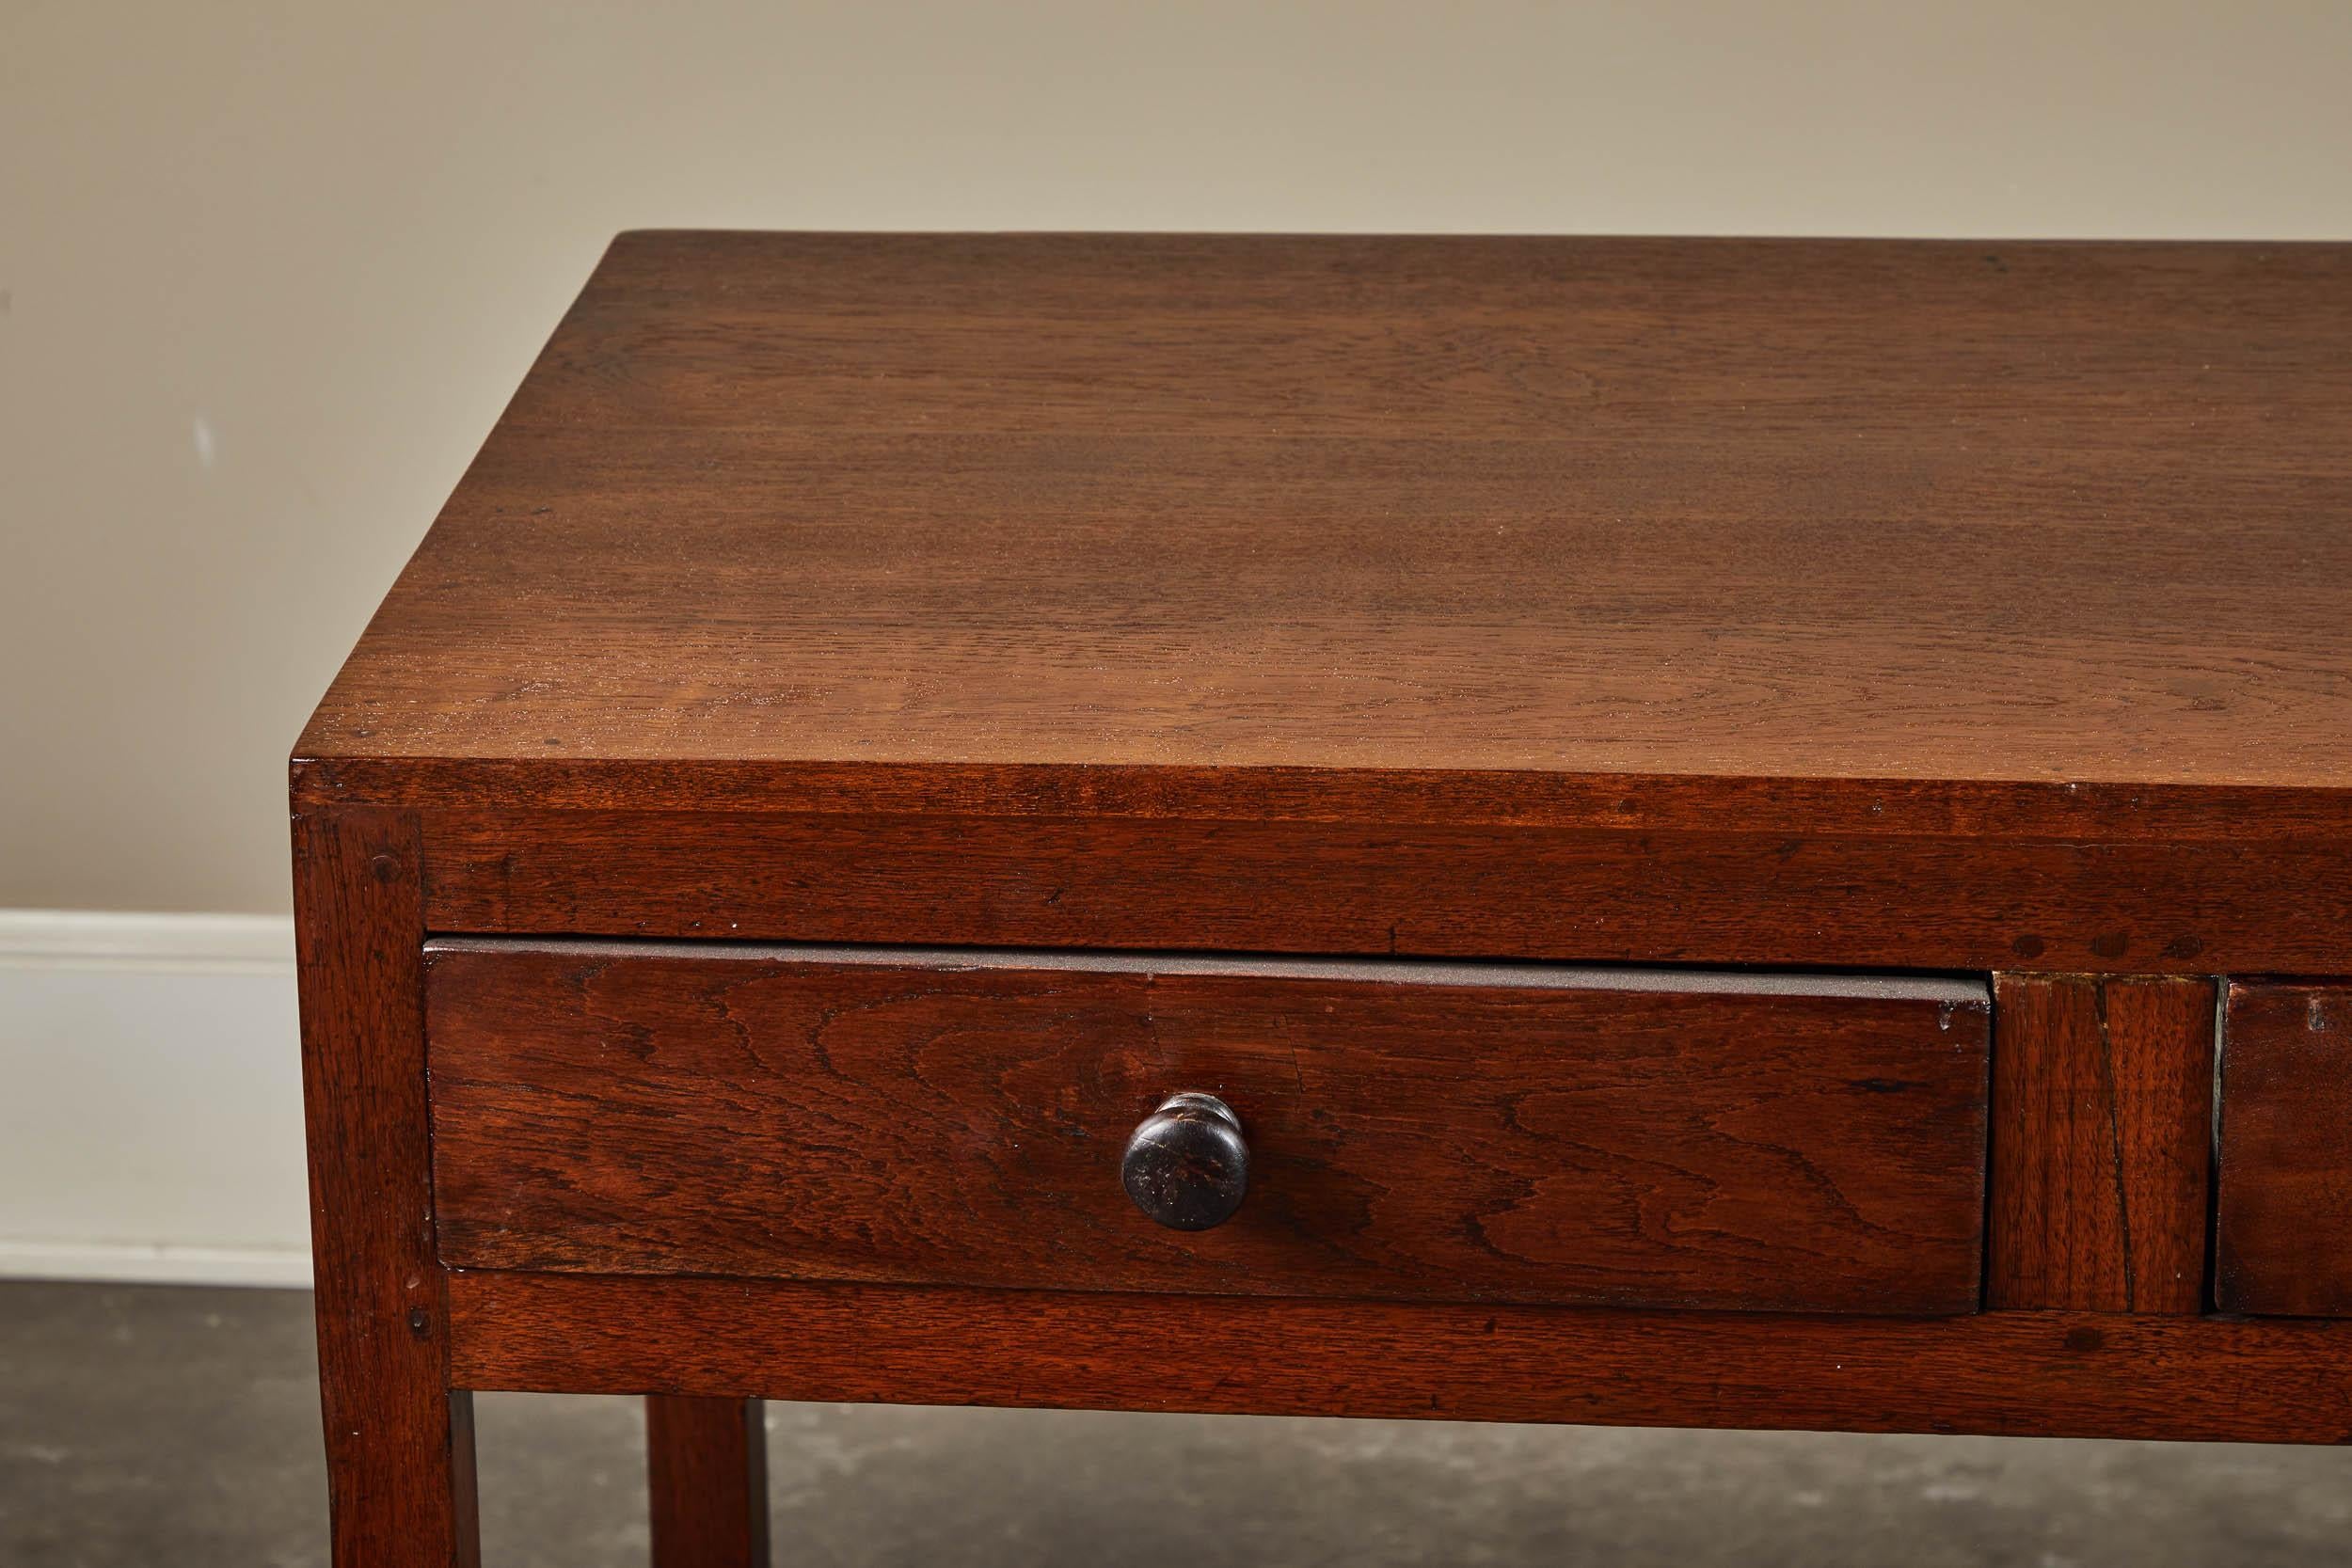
1187	1166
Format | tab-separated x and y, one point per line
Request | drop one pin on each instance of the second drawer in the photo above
1454	1131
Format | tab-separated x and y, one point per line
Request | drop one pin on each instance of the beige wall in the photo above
267	272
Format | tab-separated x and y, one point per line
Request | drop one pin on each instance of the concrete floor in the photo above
177	1428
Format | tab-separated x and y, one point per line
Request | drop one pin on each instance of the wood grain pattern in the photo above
399	1443
2023	1373
2283	1220
1700	893
1790	604
1455	1133
2102	1144
1749	509
706	1482
1630	802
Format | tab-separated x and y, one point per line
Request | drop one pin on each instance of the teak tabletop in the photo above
1009	512
1706	832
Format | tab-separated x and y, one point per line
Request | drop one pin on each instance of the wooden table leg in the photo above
707	1480
399	1441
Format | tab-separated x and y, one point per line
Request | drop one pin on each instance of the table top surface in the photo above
1832	511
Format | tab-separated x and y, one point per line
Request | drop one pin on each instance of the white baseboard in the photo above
123	1264
151	1127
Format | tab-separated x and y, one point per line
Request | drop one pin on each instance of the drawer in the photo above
2282	1222
1434	1131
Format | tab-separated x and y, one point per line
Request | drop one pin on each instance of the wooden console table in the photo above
1541	830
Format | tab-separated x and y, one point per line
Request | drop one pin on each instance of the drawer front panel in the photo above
1457	1132
2282	1238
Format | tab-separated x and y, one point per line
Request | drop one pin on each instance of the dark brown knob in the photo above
1187	1166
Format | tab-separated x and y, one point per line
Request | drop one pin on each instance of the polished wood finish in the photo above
1846	512
1741	589
2020	1374
1742	888
706	1482
399	1443
2283	1241
1416	1130
1784	604
2102	1144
